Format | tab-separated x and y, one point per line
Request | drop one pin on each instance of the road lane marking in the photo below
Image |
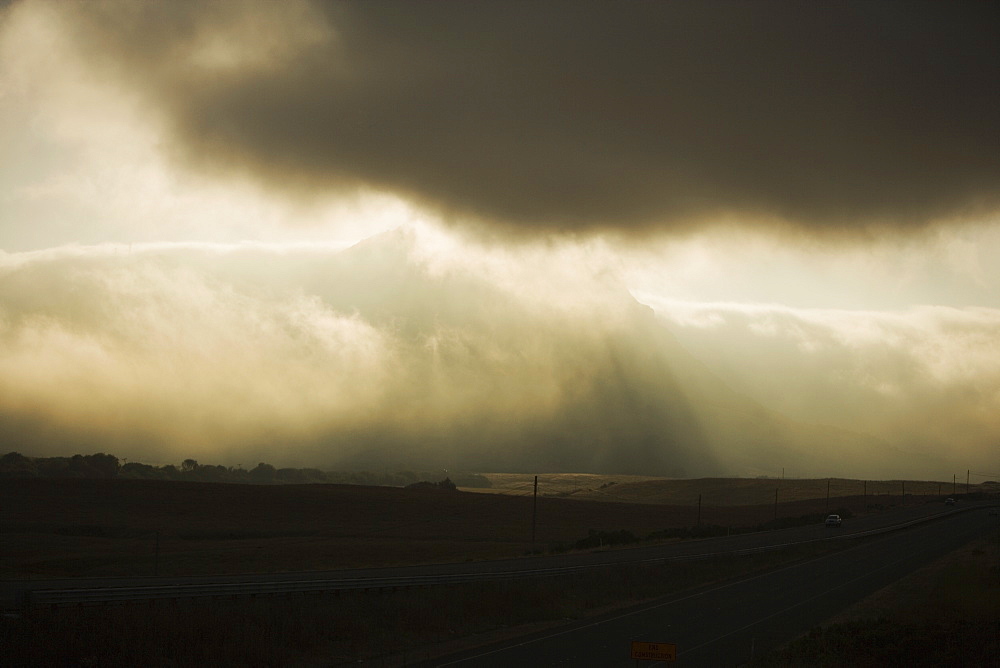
673	601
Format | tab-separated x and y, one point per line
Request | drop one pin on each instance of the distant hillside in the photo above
714	491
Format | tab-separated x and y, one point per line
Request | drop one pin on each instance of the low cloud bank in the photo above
927	378
385	352
413	349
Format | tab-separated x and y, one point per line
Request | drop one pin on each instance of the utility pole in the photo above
534	514
967	472
828	494
775	504
864	494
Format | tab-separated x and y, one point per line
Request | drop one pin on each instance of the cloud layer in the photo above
388	353
415	349
579	115
180	129
927	378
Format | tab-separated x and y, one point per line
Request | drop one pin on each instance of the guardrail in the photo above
57	597
44	597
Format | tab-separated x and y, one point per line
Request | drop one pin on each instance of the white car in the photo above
833	520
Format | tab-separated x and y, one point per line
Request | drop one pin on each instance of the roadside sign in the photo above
654	651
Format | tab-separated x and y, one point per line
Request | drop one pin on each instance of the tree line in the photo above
101	465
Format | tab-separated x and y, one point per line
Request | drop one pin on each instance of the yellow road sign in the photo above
654	651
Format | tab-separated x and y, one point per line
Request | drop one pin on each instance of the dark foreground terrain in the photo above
81	527
946	614
128	528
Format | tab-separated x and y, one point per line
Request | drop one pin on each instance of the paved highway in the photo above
726	625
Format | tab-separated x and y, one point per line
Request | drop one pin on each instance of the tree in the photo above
140	471
291	475
189	466
262	473
16	465
102	465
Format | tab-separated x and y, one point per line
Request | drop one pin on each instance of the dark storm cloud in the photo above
582	115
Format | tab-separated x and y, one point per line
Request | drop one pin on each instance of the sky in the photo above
683	239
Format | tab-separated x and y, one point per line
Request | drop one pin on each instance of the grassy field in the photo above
384	628
126	527
134	527
946	614
713	491
952	603
131	527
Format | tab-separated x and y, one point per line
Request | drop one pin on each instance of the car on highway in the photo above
833	520
950	501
